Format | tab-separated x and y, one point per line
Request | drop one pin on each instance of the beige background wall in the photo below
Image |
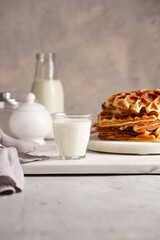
102	46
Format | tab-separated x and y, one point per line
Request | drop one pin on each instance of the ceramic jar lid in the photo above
30	105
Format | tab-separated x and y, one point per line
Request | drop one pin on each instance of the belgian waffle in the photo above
132	116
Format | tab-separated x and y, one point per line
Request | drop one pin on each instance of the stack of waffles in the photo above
130	116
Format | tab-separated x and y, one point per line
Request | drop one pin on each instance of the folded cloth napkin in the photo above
12	153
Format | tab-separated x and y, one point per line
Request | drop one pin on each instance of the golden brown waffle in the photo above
132	116
143	133
131	107
124	137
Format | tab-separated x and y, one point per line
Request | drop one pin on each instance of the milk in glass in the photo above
71	136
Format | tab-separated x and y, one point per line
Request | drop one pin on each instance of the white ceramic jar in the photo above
31	121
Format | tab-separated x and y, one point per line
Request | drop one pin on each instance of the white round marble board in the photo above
123	147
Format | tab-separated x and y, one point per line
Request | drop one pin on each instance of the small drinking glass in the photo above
71	134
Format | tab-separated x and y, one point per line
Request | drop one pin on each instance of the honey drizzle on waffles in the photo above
130	116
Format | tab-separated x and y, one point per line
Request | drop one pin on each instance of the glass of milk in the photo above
71	134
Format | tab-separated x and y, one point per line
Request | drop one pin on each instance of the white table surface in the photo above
83	207
76	207
93	163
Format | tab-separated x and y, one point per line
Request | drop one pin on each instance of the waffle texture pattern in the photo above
130	116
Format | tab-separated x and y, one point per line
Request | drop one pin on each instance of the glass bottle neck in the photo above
45	66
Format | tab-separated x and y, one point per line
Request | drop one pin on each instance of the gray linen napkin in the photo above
12	153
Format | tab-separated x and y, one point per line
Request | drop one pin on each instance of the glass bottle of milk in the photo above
47	87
